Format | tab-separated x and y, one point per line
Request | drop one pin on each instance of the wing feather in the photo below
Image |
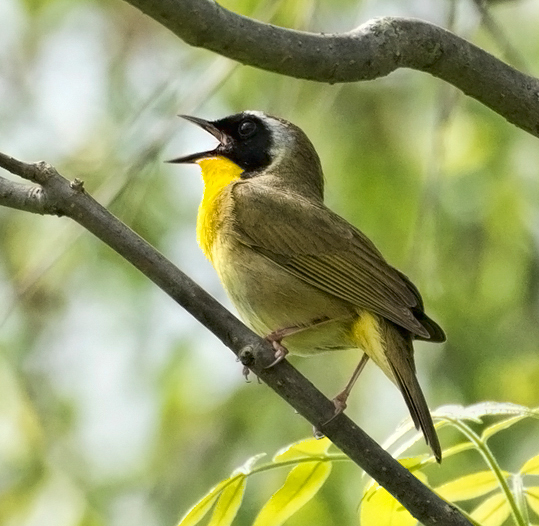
316	245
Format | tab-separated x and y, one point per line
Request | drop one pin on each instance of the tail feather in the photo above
401	360
420	413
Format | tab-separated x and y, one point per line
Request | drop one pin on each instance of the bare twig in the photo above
22	196
373	50
61	197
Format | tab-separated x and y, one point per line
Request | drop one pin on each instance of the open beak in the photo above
210	128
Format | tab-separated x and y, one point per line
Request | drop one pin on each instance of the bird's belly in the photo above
268	298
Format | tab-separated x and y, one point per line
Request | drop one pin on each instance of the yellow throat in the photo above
217	174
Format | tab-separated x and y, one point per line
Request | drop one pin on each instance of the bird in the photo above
299	274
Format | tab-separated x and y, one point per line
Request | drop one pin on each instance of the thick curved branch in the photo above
373	50
61	197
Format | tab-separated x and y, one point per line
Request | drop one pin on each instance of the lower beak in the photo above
210	128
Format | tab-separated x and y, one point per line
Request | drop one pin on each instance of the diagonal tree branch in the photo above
373	50
60	197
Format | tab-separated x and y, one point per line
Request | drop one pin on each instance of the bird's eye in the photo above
246	128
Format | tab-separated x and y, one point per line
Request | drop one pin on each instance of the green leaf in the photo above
532	498
301	485
459	412
531	467
403	428
232	489
477	411
493	511
201	508
310	447
470	486
500	426
505	408
457	448
380	508
413	463
405	446
248	465
229	502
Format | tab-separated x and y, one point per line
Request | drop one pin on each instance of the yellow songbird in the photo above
299	274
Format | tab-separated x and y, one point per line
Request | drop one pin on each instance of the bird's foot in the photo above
317	433
280	350
340	400
340	405
277	336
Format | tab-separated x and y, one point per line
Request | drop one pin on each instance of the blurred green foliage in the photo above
115	407
488	497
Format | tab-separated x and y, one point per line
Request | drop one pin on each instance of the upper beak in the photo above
210	128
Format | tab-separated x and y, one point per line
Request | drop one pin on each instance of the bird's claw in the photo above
340	405
280	350
280	353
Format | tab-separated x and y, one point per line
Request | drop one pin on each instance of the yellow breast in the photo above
217	173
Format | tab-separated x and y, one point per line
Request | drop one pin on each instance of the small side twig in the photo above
22	196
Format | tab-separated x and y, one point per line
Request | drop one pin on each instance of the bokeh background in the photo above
116	407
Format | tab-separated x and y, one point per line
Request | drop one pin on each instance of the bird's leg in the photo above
277	336
340	400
